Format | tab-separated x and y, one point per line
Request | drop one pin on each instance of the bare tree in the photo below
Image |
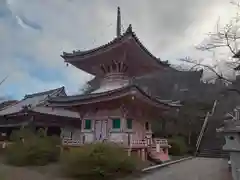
227	36
199	64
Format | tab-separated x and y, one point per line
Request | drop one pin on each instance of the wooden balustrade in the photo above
138	143
162	142
71	142
133	143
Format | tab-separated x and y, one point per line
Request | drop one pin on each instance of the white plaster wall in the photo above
103	114
76	134
89	137
117	136
66	133
71	133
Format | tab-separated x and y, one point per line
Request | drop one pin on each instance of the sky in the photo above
34	33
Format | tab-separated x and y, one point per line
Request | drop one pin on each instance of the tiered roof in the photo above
126	54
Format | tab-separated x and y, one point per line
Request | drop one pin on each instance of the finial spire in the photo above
118	22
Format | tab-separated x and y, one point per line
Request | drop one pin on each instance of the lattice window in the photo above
116	123
129	123
88	124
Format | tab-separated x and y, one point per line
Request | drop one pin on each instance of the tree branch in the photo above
196	64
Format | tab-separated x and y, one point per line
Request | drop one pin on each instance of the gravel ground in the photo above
194	169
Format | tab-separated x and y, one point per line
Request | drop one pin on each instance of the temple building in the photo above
118	111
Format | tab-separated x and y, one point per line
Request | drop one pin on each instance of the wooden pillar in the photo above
129	151
45	131
166	151
143	156
157	147
139	152
61	134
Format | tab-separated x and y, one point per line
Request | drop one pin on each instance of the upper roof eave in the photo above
68	57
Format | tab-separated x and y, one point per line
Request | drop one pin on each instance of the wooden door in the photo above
100	130
104	130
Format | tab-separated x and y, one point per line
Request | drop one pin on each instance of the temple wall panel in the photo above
89	137
101	114
117	137
138	130
71	133
66	133
76	134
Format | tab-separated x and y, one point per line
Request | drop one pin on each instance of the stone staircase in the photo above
213	153
212	141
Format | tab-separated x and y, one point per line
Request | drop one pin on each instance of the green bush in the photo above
98	161
178	146
35	149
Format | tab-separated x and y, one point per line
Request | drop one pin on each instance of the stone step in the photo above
213	156
213	153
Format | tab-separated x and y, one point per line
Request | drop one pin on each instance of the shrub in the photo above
178	146
98	161
34	150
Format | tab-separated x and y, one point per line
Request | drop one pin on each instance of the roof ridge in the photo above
58	91
10	105
128	32
42	93
79	52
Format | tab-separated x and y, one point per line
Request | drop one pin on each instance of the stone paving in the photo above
194	169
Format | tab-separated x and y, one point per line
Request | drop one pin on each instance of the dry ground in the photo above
194	169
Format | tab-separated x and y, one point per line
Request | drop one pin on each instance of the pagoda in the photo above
118	111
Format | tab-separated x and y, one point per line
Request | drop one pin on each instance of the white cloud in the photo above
168	28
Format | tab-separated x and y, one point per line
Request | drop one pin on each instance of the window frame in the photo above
85	124
147	126
113	119
127	123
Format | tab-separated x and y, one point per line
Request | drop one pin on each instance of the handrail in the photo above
201	132
204	126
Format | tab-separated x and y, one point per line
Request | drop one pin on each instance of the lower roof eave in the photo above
32	112
51	115
131	90
17	124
